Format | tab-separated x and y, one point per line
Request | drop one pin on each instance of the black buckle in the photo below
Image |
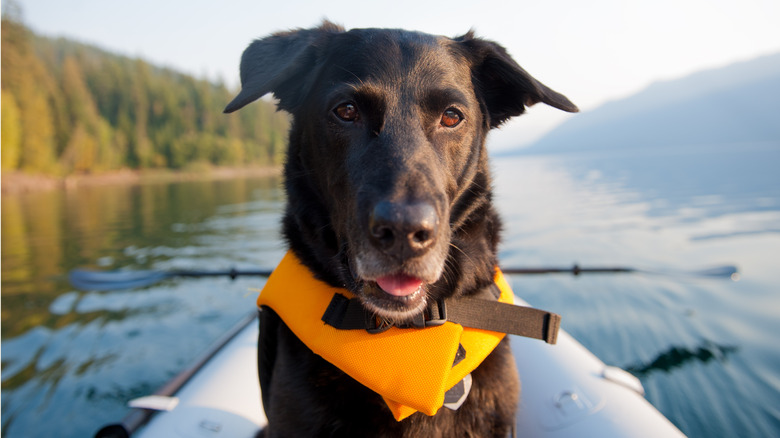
441	306
376	324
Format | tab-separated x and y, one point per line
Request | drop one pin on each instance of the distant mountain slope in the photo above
735	104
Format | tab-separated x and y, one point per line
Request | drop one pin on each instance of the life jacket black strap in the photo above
349	314
505	318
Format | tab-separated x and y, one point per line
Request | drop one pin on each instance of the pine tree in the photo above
11	132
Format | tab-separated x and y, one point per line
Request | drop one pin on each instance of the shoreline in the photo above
17	182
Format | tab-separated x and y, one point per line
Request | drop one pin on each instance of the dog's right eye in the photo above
347	112
451	118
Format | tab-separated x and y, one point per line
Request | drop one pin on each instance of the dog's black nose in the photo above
403	230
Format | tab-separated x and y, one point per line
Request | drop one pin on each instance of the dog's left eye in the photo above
347	112
451	118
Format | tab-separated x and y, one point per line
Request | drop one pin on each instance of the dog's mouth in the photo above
400	285
396	297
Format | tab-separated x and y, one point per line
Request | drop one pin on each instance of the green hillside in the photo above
71	108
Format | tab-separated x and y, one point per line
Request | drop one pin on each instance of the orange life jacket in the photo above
410	368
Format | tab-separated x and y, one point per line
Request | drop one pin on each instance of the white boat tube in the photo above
566	392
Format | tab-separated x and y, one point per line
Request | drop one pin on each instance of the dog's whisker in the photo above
359	79
449	274
453	245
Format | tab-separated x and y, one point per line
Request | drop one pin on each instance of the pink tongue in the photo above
399	285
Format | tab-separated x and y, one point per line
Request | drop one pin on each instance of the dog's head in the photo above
386	174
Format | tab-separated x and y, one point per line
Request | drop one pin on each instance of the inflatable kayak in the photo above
566	392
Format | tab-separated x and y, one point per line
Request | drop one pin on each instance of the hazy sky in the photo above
592	51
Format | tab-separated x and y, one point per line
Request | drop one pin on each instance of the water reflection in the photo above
48	233
661	211
79	356
695	181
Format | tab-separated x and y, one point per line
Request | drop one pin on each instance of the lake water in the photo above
705	349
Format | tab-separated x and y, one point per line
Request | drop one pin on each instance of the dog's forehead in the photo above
396	56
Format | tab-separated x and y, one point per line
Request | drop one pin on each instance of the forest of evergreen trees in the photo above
72	108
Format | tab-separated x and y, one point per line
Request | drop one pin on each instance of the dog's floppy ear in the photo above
277	64
505	86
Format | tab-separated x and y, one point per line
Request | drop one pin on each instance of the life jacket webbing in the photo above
349	314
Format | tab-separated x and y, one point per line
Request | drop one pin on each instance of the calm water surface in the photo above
705	349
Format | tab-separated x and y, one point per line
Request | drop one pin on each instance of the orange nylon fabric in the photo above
410	368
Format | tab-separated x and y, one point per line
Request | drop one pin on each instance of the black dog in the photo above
389	197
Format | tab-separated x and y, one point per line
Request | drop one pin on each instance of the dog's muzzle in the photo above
403	251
